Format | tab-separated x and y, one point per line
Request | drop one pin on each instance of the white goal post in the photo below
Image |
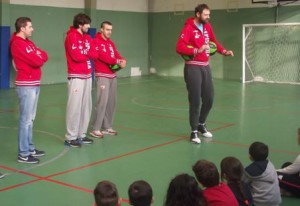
271	53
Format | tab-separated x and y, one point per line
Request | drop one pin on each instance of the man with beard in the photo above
194	42
106	81
79	50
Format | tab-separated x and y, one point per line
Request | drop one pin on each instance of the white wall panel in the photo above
54	3
189	5
123	5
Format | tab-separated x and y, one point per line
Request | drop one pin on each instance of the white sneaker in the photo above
194	138
96	133
2	175
205	133
109	131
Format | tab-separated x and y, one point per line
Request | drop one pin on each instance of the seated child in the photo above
184	191
140	193
216	193
232	171
106	194
289	176
261	177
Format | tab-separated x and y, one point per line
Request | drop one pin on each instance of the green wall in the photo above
144	39
130	34
165	29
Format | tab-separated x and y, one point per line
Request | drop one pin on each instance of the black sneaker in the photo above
1	175
194	138
37	153
29	159
86	140
205	133
72	143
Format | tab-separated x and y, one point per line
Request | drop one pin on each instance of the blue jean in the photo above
28	99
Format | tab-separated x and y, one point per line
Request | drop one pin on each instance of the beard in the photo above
84	30
203	21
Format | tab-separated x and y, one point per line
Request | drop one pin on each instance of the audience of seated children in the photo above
106	194
289	176
232	172
216	193
140	193
261	177
184	191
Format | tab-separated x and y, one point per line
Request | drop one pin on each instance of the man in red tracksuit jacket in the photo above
194	41
28	60
106	81
79	50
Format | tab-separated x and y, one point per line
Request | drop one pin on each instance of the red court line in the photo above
116	157
18	185
47	178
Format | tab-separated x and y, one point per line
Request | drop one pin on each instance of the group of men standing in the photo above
80	50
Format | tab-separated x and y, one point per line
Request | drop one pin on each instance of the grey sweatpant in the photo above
79	107
200	87
106	99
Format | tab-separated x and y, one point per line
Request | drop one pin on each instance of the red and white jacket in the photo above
28	60
192	36
107	55
79	50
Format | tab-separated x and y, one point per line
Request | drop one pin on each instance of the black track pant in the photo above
200	88
289	182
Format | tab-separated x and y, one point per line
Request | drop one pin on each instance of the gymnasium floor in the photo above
152	121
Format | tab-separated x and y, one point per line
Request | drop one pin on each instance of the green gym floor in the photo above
153	140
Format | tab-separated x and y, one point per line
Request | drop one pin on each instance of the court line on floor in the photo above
48	178
62	153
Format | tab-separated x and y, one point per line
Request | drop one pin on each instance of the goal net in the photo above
271	53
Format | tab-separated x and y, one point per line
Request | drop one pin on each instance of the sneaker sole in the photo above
21	161
206	136
195	142
112	134
39	155
87	142
70	145
96	136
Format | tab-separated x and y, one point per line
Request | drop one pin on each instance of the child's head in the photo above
140	193
207	173
106	194
258	151
231	169
184	190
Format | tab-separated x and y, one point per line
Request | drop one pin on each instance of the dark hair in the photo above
207	173
200	8
21	22
81	19
184	191
259	151
140	193
105	22
106	194
232	170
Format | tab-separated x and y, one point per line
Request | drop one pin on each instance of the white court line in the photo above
65	150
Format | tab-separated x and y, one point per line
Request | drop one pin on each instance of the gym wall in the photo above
52	19
145	31
168	17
